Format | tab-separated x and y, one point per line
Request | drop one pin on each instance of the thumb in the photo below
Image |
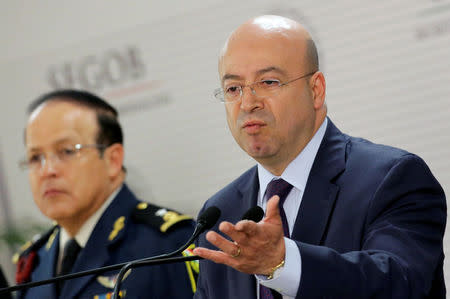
272	211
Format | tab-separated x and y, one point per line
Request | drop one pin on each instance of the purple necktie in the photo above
281	188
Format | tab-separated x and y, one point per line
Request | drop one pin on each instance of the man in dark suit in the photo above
75	153
355	220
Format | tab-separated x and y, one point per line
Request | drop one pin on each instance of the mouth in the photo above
50	192
253	126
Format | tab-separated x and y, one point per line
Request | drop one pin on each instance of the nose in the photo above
49	164
250	100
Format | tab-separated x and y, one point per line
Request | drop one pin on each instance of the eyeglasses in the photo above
262	89
64	154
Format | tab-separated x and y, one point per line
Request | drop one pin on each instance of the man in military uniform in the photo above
74	156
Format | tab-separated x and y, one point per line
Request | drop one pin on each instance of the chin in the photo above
259	151
56	213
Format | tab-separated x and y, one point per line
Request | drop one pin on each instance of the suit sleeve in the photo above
401	248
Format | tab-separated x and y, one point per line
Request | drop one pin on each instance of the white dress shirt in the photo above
86	229
287	279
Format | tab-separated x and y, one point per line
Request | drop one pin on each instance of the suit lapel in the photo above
249	190
246	284
96	253
321	192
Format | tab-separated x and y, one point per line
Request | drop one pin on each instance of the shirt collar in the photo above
297	172
86	229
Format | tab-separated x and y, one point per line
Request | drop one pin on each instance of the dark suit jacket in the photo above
370	225
131	241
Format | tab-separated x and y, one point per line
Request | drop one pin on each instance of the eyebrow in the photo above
57	142
258	73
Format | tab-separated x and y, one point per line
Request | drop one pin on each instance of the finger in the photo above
214	255
246	226
272	211
239	235
226	226
223	244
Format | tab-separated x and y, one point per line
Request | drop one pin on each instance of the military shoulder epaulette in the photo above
158	217
26	258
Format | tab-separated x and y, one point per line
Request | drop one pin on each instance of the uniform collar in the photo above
86	229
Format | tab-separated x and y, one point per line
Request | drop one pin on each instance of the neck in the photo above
75	223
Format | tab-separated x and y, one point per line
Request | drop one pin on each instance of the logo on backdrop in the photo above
99	71
434	20
119	75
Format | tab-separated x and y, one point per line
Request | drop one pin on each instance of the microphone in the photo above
254	214
205	221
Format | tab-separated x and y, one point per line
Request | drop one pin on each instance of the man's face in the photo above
73	189
274	129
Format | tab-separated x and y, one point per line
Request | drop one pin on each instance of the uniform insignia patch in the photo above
158	217
110	281
193	264
118	226
25	266
16	256
142	206
109	295
51	239
27	258
170	218
192	267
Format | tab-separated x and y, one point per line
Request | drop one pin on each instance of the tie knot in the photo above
71	248
278	187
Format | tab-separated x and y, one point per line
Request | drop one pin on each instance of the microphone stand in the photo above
254	214
205	221
147	261
158	261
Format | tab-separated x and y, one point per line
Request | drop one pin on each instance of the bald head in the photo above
271	27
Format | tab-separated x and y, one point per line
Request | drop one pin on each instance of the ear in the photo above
114	156
318	87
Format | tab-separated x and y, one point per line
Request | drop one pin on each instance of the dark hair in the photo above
109	132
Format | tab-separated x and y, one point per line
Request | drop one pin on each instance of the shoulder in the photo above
159	218
127	210
236	187
360	147
26	258
36	243
373	158
359	150
383	164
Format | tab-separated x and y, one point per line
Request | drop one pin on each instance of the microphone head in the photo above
209	217
254	214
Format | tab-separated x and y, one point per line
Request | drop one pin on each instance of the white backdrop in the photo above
386	64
